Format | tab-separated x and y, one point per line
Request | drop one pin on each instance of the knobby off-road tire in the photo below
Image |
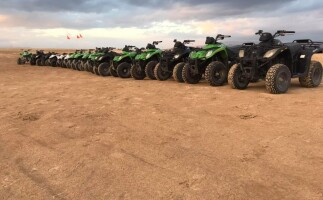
123	70
178	72
38	62
160	74
278	79
149	69
136	74
19	62
113	72
188	77
47	63
104	69
216	73
314	76
235	78
96	70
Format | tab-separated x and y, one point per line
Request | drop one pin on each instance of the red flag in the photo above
67	37
78	37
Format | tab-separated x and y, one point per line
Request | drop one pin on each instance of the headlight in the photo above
270	53
209	53
148	56
241	53
100	58
176	56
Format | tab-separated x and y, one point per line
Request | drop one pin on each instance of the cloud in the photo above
142	20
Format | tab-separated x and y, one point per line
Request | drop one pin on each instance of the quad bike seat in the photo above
210	40
150	46
179	45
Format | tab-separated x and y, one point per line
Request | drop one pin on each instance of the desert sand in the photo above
66	134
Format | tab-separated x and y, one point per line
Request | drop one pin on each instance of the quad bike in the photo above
25	57
173	61
37	59
145	62
60	59
277	62
53	59
121	65
82	64
76	61
46	59
213	61
91	59
106	56
70	59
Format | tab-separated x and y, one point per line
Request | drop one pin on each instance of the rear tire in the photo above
113	72
235	78
216	73
177	72
314	76
123	70
160	74
136	74
104	69
190	78
149	70
278	79
38	62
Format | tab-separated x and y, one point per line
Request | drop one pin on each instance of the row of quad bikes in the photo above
269	60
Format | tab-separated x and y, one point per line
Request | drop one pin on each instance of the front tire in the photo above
216	73
136	73
19	61
177	72
104	69
314	76
149	69
160	74
123	70
278	79
188	75
236	79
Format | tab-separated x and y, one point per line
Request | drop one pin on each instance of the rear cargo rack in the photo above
309	43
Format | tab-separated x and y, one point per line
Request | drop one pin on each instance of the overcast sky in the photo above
45	23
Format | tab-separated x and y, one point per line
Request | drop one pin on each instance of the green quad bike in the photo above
121	65
91	59
83	61
25	57
277	63
213	61
70	59
173	61
76	61
106	56
145	62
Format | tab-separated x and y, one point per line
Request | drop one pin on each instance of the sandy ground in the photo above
66	134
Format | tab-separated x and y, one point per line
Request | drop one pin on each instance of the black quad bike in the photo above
106	56
276	63
38	58
173	61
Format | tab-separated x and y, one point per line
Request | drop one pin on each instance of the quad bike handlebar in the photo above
221	37
188	41
157	42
